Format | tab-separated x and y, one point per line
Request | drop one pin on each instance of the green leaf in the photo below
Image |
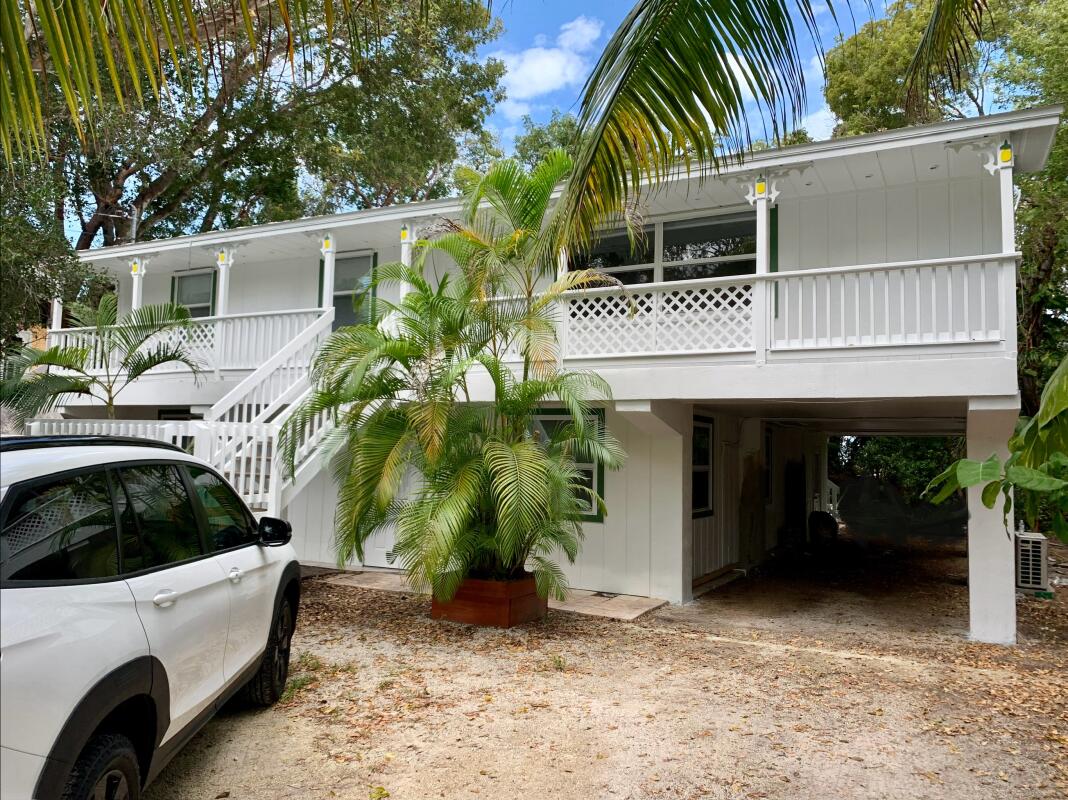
971	472
1034	480
990	493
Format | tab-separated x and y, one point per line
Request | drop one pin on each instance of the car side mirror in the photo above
275	532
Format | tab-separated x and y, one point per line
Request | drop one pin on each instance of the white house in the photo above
861	285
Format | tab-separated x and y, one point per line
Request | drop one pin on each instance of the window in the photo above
61	530
352	278
710	247
229	523
157	506
615	254
550	425
196	292
701	467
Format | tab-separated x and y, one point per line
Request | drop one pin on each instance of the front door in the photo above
181	594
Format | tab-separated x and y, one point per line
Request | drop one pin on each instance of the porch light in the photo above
222	257
135	267
404	232
761	188
326	243
1005	153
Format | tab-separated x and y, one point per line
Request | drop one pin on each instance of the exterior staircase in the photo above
239	435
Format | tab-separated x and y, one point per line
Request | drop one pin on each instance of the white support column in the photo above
328	249
57	314
406	237
1000	163
138	266
762	197
991	552
224	259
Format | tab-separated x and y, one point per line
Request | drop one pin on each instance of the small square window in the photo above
196	292
551	423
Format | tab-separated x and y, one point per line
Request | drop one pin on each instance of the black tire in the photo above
107	768
269	681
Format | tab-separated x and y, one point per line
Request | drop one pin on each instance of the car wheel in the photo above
107	769
269	681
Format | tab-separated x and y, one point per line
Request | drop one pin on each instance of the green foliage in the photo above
253	143
121	352
468	484
904	461
1036	469
36	259
536	141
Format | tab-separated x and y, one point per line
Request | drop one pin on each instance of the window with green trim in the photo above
701	468
352	278
549	423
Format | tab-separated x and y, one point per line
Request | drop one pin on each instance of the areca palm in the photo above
120	352
436	431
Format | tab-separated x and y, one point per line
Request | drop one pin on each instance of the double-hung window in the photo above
549	425
709	247
615	254
196	292
352	278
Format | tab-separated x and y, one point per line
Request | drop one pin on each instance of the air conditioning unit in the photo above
1032	560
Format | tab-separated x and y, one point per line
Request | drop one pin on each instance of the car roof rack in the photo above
10	444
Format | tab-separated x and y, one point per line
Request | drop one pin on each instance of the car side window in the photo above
229	523
158	504
61	530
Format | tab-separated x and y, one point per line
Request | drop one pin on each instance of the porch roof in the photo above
874	160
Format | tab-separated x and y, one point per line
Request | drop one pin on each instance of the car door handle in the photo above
236	575
165	598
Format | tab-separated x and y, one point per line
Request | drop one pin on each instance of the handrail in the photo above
263	372
734	280
217	318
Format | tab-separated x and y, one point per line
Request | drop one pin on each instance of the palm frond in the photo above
945	49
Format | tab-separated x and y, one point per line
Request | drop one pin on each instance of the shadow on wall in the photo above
875	509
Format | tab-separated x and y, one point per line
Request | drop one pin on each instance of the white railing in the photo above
904	303
176	432
237	341
277	380
935	301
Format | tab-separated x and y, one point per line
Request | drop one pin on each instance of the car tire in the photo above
107	768
269	681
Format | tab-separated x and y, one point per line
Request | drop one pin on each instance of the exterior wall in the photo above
312	515
934	219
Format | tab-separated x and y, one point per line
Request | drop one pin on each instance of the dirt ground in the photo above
847	678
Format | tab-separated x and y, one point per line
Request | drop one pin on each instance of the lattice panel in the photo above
198	341
705	320
602	324
700	320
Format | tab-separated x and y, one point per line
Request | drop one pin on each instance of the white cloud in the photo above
543	69
580	34
820	123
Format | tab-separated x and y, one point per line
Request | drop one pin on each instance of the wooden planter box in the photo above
497	604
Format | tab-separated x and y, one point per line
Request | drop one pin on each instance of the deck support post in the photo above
405	256
761	194
137	271
224	259
991	549
328	250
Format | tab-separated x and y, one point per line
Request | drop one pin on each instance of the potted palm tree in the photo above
121	351
436	400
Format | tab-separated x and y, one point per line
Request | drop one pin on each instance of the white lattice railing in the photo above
935	301
703	316
237	341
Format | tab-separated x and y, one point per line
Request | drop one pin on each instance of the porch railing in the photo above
909	303
236	341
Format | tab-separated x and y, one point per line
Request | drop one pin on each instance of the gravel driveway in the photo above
779	688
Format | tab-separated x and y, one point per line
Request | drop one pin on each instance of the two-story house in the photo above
860	285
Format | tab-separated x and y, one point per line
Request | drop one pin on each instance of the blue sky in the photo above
550	46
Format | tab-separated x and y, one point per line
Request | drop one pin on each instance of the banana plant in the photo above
1035	472
120	351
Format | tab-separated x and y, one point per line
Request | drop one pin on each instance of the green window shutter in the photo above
214	286
174	289
374	270
319	296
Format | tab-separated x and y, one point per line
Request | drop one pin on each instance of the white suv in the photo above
137	595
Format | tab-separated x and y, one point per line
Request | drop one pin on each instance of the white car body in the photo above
158	649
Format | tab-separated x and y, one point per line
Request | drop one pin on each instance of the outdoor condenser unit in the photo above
1032	571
